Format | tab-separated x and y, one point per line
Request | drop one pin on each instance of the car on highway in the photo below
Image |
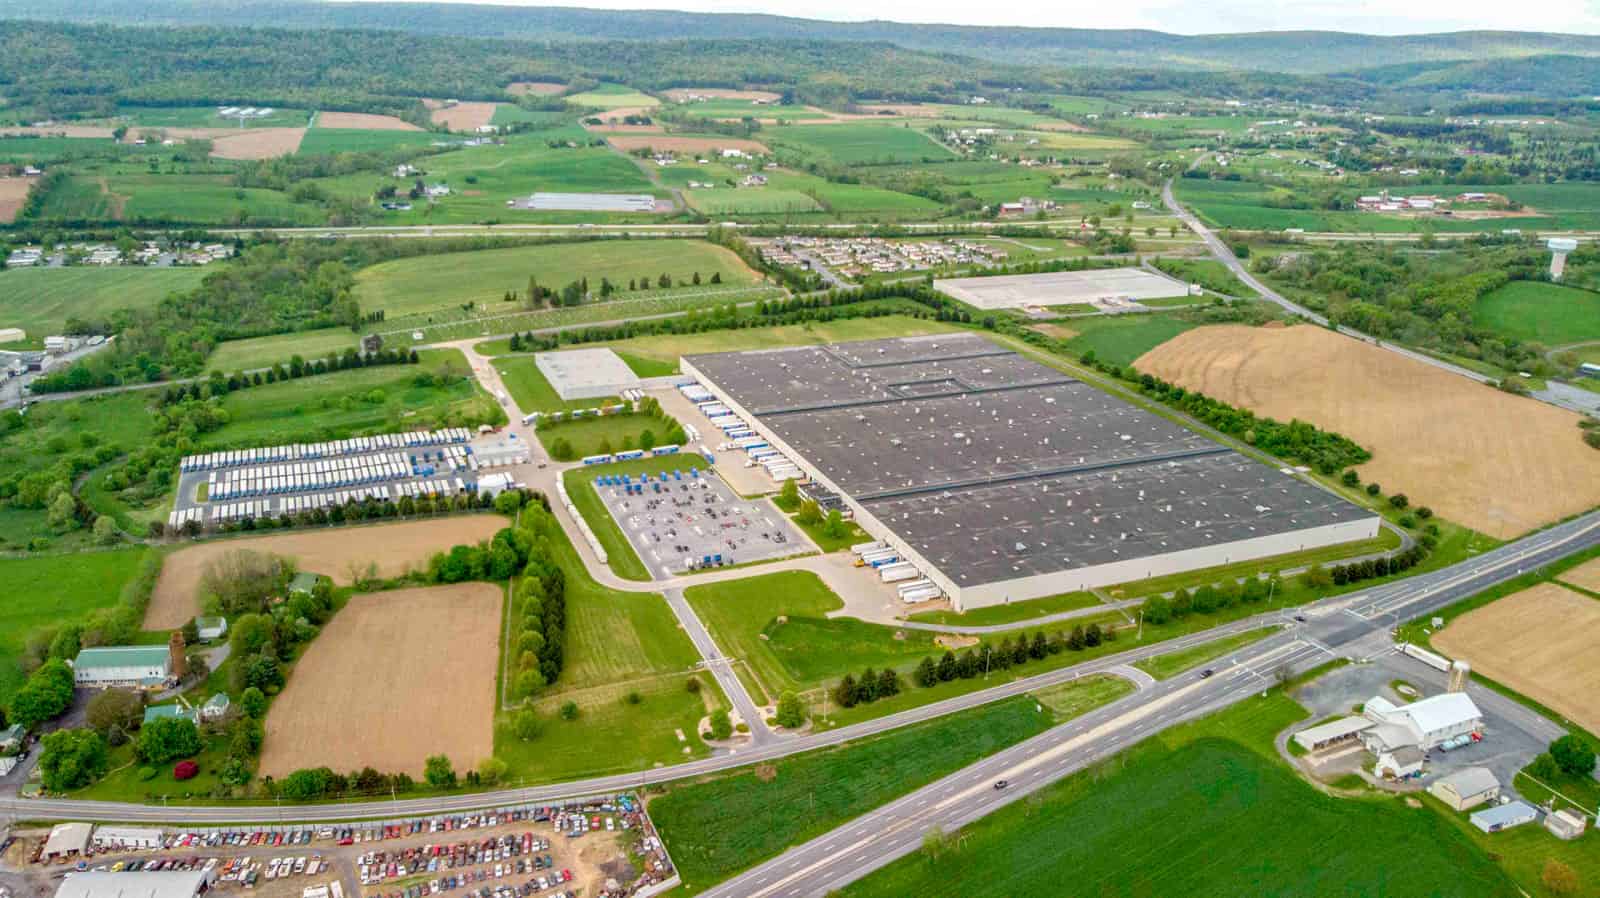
1204	674
1000	784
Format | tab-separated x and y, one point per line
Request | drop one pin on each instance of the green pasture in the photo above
432	282
326	141
180	198
140	117
1120	339
611	96
861	144
52	589
263	352
1541	312
42	300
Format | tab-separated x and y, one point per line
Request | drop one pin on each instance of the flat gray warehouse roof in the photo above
994	467
1060	288
586	373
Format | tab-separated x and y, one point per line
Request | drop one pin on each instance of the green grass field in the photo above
40	300
53	589
1170	665
862	144
751	201
140	117
531	390
1014	612
1206	808
611	96
263	352
727	107
348	403
602	435
808	649
175	198
436	282
1122	338
579	482
325	141
718	826
1542	312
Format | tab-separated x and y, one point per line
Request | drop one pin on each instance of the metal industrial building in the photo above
158	884
1003	480
586	373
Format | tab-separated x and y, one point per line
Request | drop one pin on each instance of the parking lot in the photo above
534	852
688	520
273	481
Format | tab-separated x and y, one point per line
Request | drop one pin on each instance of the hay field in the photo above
462	116
363	121
537	88
393	678
682	94
1584	576
395	548
94	131
1494	462
626	142
13	191
1539	642
258	143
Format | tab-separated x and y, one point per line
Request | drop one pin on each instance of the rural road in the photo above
1354	625
720	666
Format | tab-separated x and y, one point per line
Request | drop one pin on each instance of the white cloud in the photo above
1194	17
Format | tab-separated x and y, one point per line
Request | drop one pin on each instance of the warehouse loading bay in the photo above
998	479
682	521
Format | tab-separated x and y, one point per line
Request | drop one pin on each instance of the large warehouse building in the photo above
1004	480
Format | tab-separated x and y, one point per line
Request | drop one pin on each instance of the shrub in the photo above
694	685
147	774
185	770
569	710
721	725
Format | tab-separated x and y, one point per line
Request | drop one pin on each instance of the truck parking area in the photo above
284	480
682	521
527	852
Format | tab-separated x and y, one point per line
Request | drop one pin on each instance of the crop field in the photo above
847	199
511	114
1540	642
678	143
414	670
1221	778
206	117
863	144
259	143
1546	313
805	648
322	141
463	116
1242	204
13	191
1444	441
536	88
362	121
612	96
340	553
432	282
454	324
1121	338
40	300
356	402
751	201
199	199
681	94
1585	576
52	589
262	352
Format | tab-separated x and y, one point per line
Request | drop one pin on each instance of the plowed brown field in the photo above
394	548
1500	464
1540	642
393	678
365	121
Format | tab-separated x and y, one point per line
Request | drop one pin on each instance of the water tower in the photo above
1559	247
1460	673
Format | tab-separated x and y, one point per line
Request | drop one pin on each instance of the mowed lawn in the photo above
50	590
428	283
1544	313
1203	809
1120	339
806	649
41	300
263	352
531	390
863	144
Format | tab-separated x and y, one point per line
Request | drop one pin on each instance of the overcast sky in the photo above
1192	17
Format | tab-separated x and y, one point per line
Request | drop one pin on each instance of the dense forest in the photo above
1300	52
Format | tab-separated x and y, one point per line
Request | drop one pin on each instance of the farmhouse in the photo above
1000	479
143	884
11	737
126	665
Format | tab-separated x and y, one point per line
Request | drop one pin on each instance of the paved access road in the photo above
720	666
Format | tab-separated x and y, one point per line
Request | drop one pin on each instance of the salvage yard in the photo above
414	673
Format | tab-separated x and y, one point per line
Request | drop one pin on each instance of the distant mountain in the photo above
1303	52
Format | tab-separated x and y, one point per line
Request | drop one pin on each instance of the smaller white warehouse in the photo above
586	373
67	840
125	838
1466	788
159	884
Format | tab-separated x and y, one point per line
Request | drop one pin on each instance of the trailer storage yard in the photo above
999	479
690	520
273	481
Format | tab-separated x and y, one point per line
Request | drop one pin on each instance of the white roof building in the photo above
158	884
1466	788
126	837
67	839
1422	724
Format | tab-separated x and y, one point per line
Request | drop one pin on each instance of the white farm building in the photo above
127	665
